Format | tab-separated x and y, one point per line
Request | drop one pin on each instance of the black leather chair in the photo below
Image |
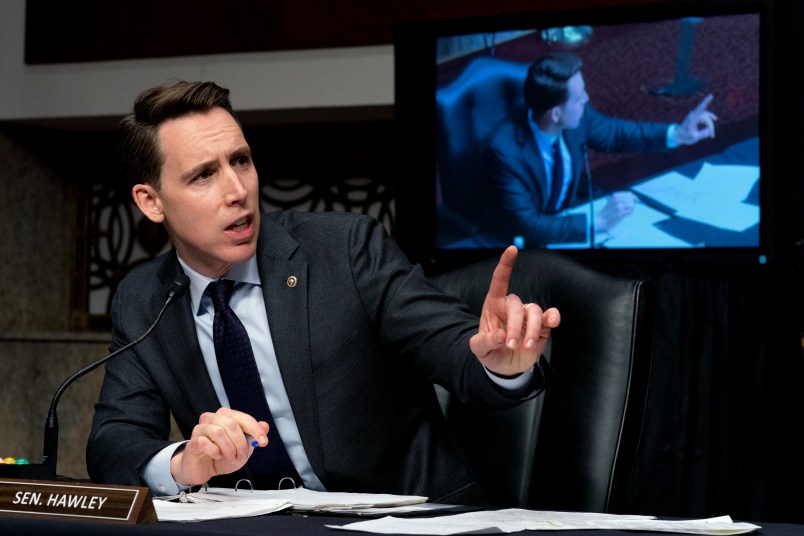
466	111
574	447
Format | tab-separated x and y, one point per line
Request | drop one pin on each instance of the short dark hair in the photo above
546	81
138	140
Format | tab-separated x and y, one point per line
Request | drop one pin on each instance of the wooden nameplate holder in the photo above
78	501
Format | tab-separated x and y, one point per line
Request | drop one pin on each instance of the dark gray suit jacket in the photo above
517	179
360	340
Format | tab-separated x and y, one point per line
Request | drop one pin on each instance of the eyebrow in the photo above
244	150
186	176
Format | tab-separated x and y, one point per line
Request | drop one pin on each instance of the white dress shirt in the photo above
248	303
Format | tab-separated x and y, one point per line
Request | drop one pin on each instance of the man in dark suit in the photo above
533	160
347	335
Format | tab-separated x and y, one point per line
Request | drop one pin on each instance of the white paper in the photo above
306	499
637	230
715	196
516	520
176	511
221	503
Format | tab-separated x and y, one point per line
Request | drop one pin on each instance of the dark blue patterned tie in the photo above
557	178
241	379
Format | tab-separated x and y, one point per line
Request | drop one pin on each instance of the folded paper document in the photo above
220	503
718	195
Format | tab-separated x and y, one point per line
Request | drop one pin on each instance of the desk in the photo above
711	202
273	525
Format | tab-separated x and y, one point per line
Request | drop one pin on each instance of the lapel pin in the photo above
292	281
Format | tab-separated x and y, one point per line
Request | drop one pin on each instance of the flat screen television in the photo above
456	80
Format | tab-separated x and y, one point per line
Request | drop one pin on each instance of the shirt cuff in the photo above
157	472
513	383
671	136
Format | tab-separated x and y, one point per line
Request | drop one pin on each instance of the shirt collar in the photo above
543	140
245	272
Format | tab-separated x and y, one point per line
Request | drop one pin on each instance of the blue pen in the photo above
254	442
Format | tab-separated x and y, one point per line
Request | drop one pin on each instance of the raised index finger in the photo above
703	104
502	273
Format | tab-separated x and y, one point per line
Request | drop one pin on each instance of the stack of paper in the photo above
220	503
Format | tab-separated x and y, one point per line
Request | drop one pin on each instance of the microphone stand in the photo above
590	192
47	469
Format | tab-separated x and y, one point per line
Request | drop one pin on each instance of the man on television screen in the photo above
534	159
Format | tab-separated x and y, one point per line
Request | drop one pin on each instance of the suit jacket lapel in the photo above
285	289
534	163
176	333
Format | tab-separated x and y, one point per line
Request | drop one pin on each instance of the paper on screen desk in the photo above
715	196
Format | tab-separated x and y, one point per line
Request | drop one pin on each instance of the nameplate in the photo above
47	499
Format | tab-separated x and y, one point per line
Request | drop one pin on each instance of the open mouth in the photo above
240	225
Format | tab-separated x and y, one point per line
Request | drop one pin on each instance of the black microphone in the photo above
590	192
47	470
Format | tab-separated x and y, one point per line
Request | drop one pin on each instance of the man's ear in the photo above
555	114
148	201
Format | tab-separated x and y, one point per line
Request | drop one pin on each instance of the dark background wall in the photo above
727	388
87	30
